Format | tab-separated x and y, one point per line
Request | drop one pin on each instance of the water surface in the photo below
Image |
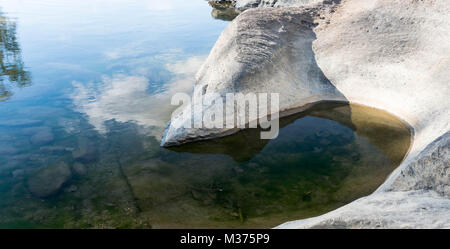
85	92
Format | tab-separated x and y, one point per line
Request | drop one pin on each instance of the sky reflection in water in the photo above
130	54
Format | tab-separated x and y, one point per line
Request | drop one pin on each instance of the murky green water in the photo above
85	92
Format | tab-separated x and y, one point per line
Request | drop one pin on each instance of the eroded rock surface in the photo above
246	4
430	171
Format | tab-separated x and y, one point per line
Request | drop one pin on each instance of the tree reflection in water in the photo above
12	71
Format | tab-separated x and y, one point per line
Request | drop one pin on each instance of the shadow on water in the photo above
12	72
367	122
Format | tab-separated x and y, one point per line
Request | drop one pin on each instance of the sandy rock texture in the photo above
392	55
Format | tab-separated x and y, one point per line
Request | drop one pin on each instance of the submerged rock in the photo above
48	180
6	149
86	151
71	188
42	137
18	173
20	122
79	169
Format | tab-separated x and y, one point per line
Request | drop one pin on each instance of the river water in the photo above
85	94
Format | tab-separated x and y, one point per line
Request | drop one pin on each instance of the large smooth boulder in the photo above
391	55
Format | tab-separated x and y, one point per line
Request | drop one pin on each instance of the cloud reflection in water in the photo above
124	98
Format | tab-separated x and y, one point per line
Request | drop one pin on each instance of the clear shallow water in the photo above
85	93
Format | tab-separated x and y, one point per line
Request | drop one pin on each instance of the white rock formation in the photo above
392	55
